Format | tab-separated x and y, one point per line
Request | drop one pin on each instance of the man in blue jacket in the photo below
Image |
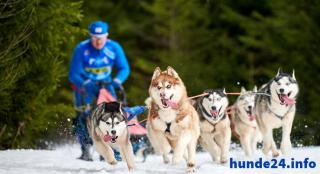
92	63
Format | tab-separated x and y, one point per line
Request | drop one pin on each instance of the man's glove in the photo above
116	83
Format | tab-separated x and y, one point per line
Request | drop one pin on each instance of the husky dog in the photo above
245	121
108	128
215	136
173	123
275	109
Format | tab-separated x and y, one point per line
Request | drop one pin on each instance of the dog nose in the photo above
213	108
281	90
162	94
249	107
113	132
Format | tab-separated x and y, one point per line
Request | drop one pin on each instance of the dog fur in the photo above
108	129
277	109
215	136
245	122
173	123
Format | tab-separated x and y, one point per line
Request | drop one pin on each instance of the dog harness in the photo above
168	128
279	116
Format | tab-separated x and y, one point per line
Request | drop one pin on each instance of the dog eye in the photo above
218	99
117	122
287	84
159	87
168	86
278	83
108	123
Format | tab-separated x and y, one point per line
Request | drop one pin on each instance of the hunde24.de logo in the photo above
273	164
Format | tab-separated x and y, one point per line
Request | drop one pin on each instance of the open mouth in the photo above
112	139
285	100
250	115
215	113
167	102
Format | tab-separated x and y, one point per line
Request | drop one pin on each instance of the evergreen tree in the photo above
33	34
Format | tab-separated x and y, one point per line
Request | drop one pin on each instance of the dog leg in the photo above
286	131
127	155
267	134
268	143
254	141
191	163
224	141
160	143
181	146
106	152
208	143
245	141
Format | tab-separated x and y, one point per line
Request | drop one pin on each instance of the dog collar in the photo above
279	116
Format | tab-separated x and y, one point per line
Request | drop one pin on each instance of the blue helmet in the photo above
98	29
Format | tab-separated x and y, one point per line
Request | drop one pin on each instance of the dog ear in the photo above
279	72
100	108
293	75
255	89
243	90
172	72
156	73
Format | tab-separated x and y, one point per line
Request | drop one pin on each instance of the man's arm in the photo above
76	67
121	64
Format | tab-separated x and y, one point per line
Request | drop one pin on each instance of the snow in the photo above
62	160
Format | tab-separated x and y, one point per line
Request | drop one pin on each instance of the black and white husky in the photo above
245	121
107	127
275	109
215	131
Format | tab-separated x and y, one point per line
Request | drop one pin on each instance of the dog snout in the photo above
162	94
250	107
214	108
281	90
113	132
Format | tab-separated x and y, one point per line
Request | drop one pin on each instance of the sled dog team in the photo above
177	124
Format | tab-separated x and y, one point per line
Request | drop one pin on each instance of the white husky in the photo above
215	129
277	109
245	121
173	123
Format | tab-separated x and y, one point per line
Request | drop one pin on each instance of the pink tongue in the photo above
214	113
172	104
107	138
288	100
252	117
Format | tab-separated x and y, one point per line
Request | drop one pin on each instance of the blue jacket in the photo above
97	65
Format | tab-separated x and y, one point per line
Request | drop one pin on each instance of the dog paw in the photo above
176	160
265	151
165	159
191	168
113	162
131	169
223	161
275	154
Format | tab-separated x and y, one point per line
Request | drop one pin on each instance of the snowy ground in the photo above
63	160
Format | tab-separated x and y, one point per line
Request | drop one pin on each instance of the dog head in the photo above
245	103
167	89
214	104
111	120
284	88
